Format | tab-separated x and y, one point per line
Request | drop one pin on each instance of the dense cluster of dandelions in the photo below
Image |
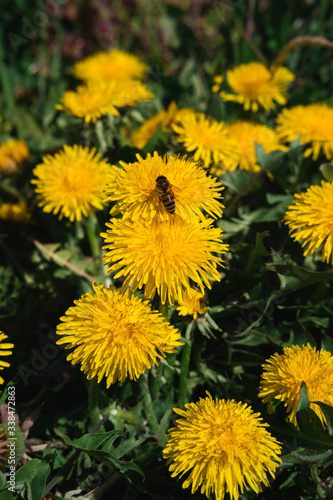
284	373
5	350
12	154
310	219
313	123
133	189
111	81
254	85
115	335
72	182
223	447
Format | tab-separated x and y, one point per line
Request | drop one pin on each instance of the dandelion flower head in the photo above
16	212
90	101
284	373
314	123
114	65
134	189
142	135
72	182
192	303
5	350
206	137
164	256
12	154
130	93
246	134
254	85
115	335
310	219
223	446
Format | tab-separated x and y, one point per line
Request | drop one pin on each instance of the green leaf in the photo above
311	427
268	160
238	180
90	441
5	494
301	455
89	444
304	401
299	277
259	251
61	258
328	412
33	475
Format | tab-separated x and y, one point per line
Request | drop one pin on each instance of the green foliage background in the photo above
269	297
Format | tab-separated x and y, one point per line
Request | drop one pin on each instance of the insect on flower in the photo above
165	192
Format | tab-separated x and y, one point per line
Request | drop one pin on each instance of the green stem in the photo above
185	364
147	402
93	393
156	383
92	236
100	136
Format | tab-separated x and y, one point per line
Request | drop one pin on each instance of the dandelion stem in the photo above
156	383
100	136
185	364
91	224
147	402
93	394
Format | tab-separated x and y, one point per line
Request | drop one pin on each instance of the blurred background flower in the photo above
256	86
313	123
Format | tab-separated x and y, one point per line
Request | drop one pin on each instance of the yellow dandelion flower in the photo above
284	373
145	132
130	93
90	101
114	65
115	334
314	123
311	219
12	154
72	182
17	212
192	304
192	189
142	135
223	447
246	134
4	351
207	137
254	85
163	257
